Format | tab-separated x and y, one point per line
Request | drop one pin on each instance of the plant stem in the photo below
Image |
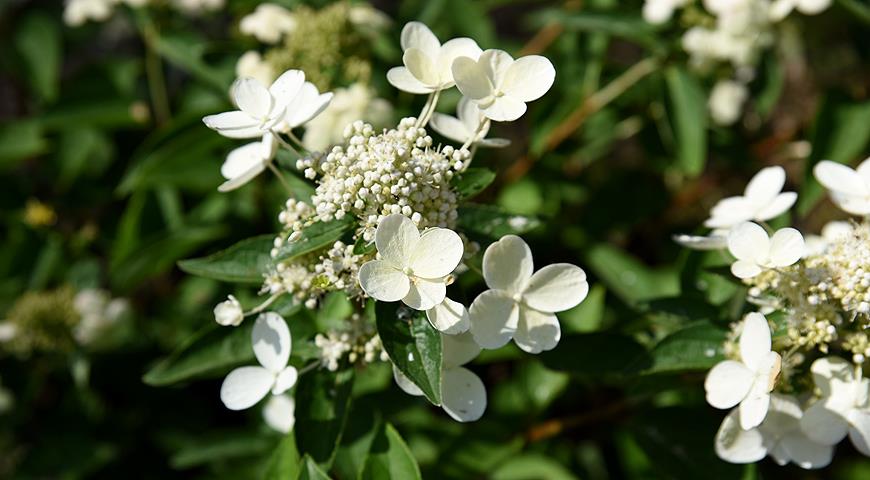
154	72
259	308
280	177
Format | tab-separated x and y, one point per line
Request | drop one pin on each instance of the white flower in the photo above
245	386
831	233
755	251
279	413
77	12
500	85
412	266
305	105
8	331
427	62
98	314
521	305
246	162
449	317
356	102
850	188
747	382
843	407
716	240
251	64
261	110
779	436
726	101
364	16
660	11
779	9
268	23
229	312
463	128
762	200
195	7
463	395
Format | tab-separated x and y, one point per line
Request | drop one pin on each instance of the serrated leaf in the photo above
244	262
413	346
688	111
472	181
493	222
284	463
211	351
390	458
315	236
322	403
695	347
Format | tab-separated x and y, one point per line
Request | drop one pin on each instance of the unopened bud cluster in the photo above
359	343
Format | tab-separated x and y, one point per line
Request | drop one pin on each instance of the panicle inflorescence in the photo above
358	342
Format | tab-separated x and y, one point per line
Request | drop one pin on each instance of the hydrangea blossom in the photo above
521	305
251	64
427	62
762	200
660	11
412	267
245	386
466	126
843	408
244	163
500	85
747	382
850	188
463	395
755	251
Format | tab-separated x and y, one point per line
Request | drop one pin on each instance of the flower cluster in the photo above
78	12
732	33
800	392
357	342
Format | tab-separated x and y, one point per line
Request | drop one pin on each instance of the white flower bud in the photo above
229	312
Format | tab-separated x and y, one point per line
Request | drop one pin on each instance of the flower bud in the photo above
229	312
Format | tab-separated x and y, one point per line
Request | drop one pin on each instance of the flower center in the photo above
518	297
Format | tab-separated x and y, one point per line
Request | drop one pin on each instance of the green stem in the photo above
280	177
154	72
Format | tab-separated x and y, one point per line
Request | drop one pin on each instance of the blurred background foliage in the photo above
110	179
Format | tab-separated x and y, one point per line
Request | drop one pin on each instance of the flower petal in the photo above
271	341
754	341
494	318
494	142
823	425
765	185
753	409
245	386
840	178
745	269
505	109
735	445
748	241
508	265
450	51
285	88
806	453
727	384
702	242
251	97
242	159
556	288
406	384
449	317
834	377
463	395
307	104
852	204
779	205
438	253
471	79
417	35
421	67
529	78
424	294
469	114
235	124
730	211
859	432
285	380
537	331
450	127
396	239
457	350
786	247
495	64
280	413
382	281
401	78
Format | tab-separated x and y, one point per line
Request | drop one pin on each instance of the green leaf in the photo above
310	470
284	464
688	111
244	262
627	277
390	458
695	347
220	447
19	140
362	247
630	27
532	466
588	316
595	354
316	236
39	42
413	346
322	403
493	222
185	51
472	181
211	351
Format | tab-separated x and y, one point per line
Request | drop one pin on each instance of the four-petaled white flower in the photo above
843	408
412	267
427	62
520	305
229	312
279	413
850	188
245	386
449	317
500	85
755	251
779	436
747	382
762	200
463	395
463	128
246	162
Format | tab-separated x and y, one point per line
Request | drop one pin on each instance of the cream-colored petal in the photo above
508	264
493	317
